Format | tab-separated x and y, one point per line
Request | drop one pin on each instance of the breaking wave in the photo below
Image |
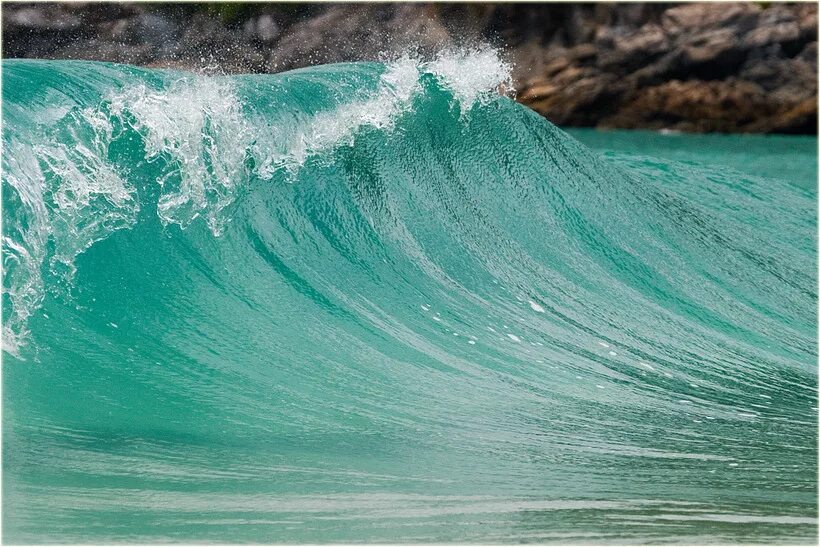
384	302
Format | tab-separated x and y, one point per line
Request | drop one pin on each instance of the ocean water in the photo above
381	302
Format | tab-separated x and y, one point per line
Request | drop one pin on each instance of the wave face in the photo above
380	302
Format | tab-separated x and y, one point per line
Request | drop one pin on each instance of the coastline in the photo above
732	68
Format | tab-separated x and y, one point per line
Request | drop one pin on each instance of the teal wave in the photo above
382	302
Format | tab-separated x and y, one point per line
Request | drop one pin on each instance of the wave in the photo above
389	302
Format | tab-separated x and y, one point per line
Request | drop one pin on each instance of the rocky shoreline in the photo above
740	67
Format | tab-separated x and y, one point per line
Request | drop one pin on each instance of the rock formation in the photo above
740	67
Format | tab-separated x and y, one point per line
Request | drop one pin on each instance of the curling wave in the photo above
381	302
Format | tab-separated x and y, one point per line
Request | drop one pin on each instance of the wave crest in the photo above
86	176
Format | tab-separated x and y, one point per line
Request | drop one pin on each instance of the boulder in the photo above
699	67
809	55
692	105
799	119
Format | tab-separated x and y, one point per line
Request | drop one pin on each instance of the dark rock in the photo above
800	119
711	55
582	53
580	26
727	106
703	68
142	28
153	27
633	51
776	24
773	74
809	54
668	67
625	18
693	105
578	94
806	16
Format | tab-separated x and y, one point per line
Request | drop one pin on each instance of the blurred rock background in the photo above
727	67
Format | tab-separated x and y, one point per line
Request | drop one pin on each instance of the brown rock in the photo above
777	25
630	52
709	46
726	106
704	16
809	55
537	90
802	118
576	94
582	53
556	66
797	75
806	16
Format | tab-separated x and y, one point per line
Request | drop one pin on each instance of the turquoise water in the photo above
373	302
784	157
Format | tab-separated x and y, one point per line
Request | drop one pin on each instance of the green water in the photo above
380	303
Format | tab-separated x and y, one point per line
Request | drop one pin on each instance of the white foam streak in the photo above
397	87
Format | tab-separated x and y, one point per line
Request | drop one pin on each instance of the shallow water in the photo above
374	302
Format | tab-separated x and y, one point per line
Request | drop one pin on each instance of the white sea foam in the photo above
397	86
197	126
70	197
469	74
